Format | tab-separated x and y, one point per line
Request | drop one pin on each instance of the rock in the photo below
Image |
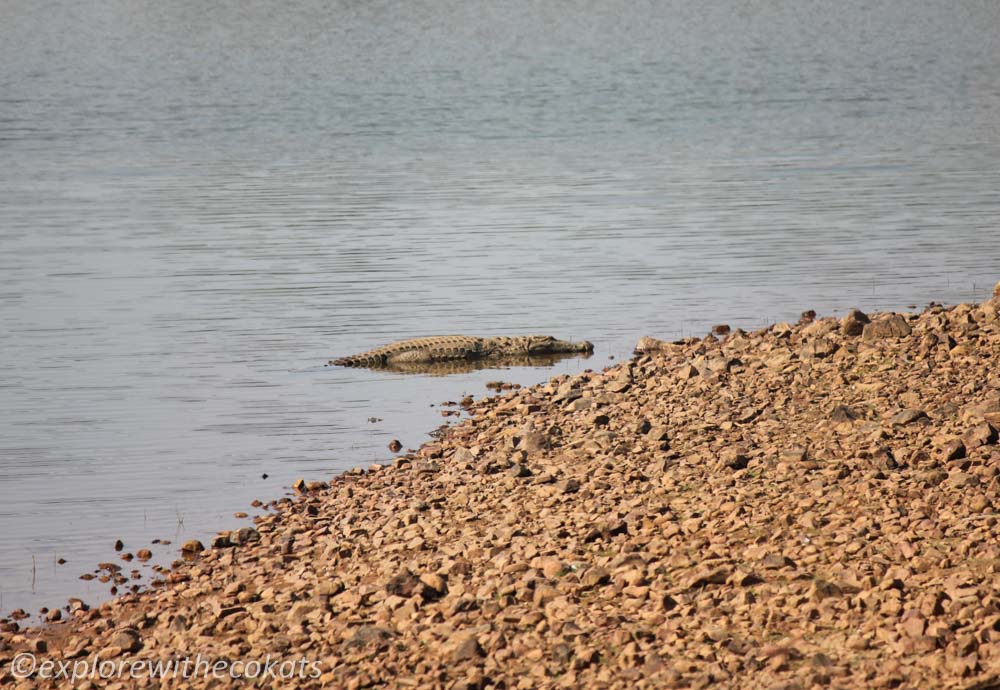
996	290
369	636
907	416
648	344
464	647
820	328
519	471
192	546
734	458
893	326
594	577
953	449
721	329
395	446
127	640
819	348
962	480
854	323
533	440
843	413
822	589
774	561
143	554
567	486
435	584
795	454
53	616
709	575
979	435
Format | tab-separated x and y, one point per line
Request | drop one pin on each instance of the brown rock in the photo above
793	454
709	575
734	458
435	586
464	647
953	449
819	348
843	413
192	546
907	416
854	323
395	446
533	441
775	561
822	589
893	326
127	640
980	435
594	577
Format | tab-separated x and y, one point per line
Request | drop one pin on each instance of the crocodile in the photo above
465	366
444	348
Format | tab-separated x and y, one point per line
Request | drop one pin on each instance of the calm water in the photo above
200	203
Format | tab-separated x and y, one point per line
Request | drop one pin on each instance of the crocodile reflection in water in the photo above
465	366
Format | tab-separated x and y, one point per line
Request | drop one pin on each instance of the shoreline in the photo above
806	505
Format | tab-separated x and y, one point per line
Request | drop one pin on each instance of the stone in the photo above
953	449
853	324
979	435
464	647
594	577
709	575
192	546
843	413
734	458
533	441
243	535
907	416
395	445
892	326
794	454
127	640
435	586
775	561
819	348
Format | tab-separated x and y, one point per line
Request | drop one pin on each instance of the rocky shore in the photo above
810	505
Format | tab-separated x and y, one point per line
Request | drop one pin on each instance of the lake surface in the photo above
201	203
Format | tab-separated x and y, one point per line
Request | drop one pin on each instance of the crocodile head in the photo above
545	344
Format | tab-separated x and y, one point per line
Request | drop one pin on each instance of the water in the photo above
202	203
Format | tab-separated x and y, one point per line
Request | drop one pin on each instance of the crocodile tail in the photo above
362	360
